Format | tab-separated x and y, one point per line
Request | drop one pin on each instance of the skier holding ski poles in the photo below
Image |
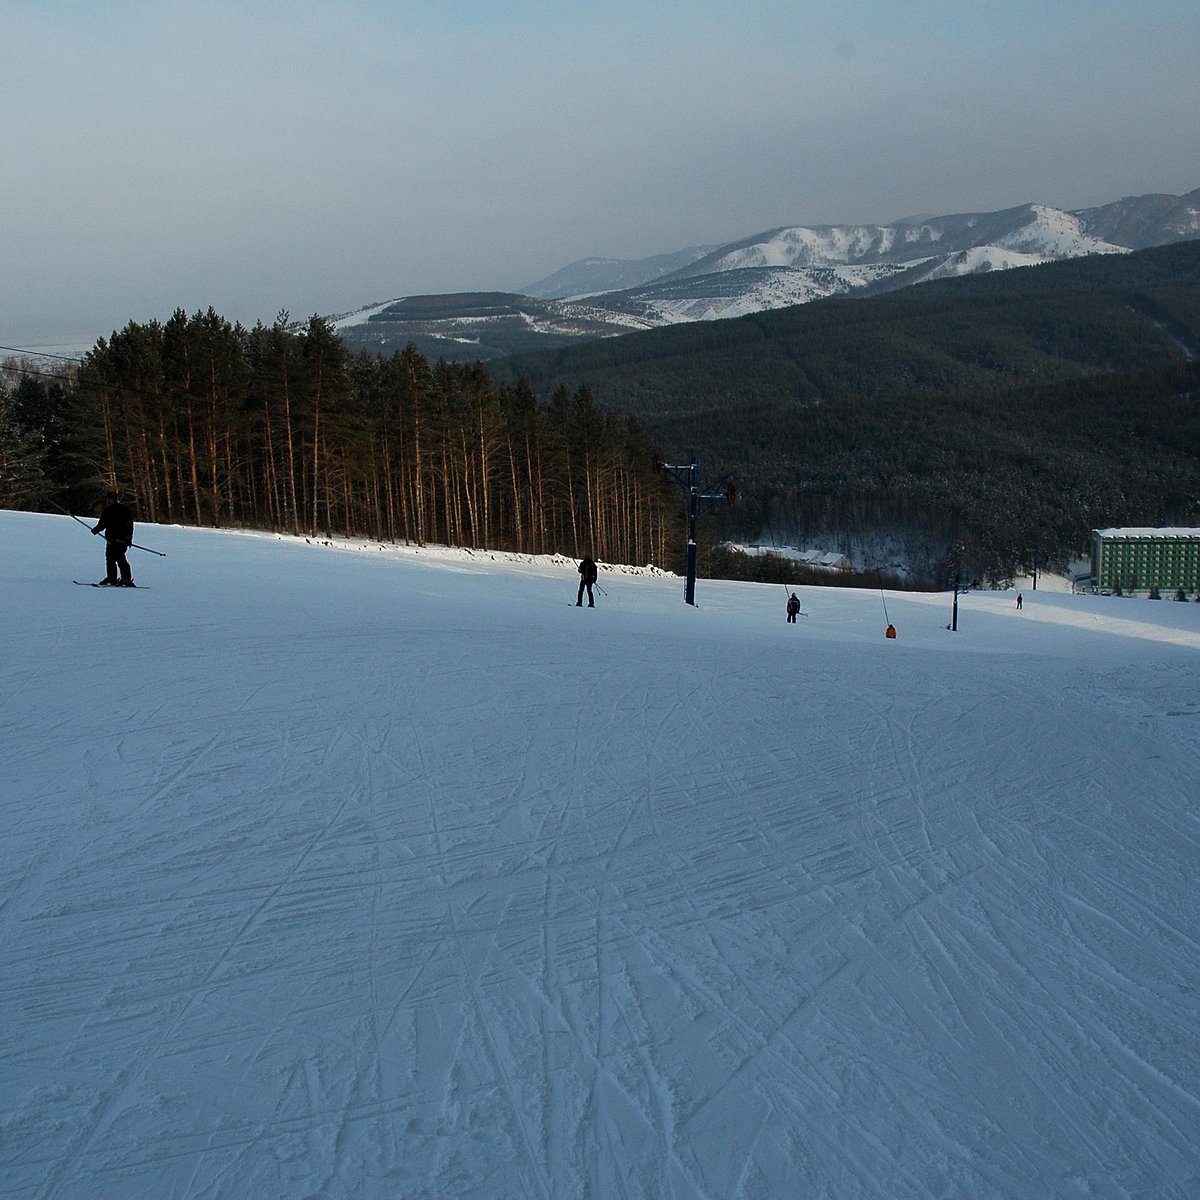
588	574
116	523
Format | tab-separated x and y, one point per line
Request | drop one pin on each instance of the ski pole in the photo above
71	515
134	546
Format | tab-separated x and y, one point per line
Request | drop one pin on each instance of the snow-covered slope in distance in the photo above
1034	230
371	872
738	292
600	297
799	264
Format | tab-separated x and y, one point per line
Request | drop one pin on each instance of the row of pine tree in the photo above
200	421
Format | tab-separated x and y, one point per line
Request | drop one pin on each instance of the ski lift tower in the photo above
701	503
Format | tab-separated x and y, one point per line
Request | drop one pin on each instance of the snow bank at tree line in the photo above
453	556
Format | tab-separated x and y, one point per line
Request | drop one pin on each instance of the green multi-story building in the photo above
1138	560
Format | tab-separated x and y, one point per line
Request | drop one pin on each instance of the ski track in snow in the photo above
330	875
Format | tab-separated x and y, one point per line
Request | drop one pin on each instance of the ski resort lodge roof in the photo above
1131	531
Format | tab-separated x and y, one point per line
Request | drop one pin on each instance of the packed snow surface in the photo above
380	872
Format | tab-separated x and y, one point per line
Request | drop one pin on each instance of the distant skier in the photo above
1020	601
793	607
587	577
116	523
890	631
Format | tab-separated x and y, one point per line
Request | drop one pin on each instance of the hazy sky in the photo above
318	156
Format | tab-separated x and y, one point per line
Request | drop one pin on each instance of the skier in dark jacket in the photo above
116	523
587	577
793	607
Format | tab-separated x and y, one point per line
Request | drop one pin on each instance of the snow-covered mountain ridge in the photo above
789	265
1040	231
1034	230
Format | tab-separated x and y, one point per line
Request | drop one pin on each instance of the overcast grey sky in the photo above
317	156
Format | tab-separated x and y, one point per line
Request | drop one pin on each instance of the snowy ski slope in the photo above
382	873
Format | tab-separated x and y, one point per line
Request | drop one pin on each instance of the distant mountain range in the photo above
597	297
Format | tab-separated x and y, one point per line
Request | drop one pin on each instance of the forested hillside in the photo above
1007	413
202	422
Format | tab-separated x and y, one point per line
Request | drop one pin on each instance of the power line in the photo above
41	354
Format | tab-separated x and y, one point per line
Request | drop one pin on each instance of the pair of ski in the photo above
116	587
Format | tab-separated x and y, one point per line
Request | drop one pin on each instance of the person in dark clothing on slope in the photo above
116	523
587	577
793	607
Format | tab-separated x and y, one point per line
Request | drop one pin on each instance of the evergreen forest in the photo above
200	421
